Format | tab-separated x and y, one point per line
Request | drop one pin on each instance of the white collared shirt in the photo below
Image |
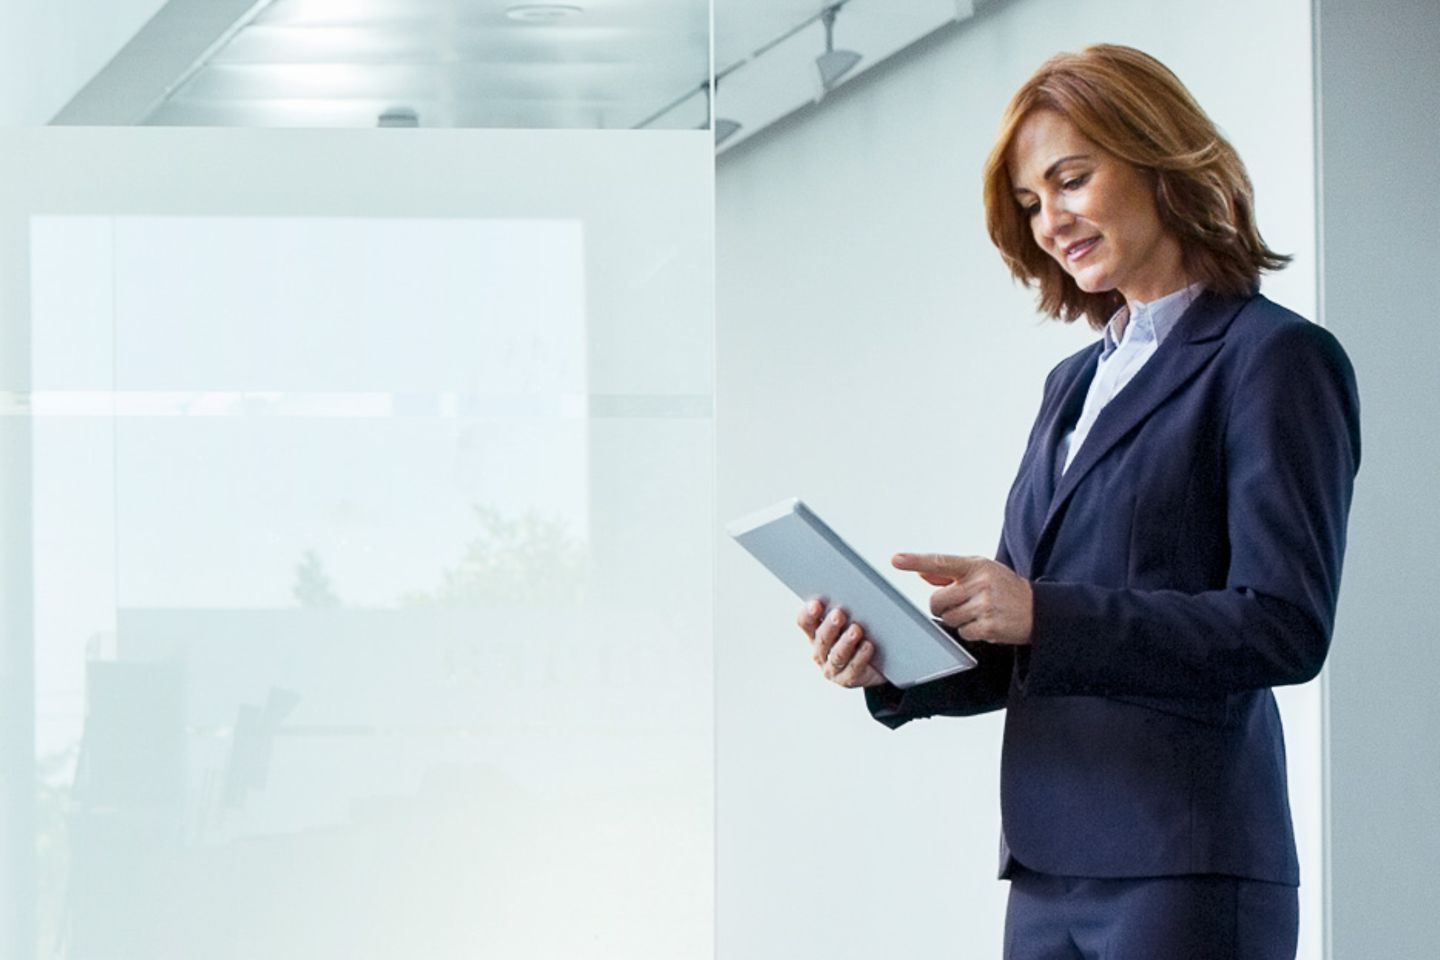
1147	326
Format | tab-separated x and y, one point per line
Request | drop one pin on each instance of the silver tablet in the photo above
812	560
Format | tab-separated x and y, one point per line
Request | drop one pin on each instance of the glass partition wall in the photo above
358	535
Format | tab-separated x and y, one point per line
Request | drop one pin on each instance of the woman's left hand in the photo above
981	599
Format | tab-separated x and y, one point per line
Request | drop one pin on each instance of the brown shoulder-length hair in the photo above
1131	105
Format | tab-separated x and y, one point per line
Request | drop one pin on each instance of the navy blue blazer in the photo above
1187	562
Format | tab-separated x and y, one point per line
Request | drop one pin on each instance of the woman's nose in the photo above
1054	218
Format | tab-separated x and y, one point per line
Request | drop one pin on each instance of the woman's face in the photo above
1091	211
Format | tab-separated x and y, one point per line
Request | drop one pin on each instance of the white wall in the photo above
875	358
1379	82
49	50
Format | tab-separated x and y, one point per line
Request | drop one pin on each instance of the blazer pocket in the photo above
1214	711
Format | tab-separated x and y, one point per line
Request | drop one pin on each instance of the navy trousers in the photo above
1155	918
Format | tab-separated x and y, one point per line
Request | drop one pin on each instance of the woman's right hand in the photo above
842	652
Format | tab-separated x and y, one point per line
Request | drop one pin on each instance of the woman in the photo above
1172	543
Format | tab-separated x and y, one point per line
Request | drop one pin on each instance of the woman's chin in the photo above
1093	285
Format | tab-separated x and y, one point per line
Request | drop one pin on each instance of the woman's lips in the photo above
1080	249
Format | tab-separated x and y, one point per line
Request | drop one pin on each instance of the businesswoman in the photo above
1172	542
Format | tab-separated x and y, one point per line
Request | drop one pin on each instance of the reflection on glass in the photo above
328	663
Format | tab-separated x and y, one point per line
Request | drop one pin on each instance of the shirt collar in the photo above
1151	321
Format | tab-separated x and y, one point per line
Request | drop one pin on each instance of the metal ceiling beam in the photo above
138	77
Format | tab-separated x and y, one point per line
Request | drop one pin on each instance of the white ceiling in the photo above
757	90
743	26
466	63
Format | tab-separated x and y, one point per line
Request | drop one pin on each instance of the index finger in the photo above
941	564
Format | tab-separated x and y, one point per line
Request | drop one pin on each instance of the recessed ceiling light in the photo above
542	12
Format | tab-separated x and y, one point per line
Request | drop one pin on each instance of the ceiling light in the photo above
400	117
542	12
833	64
724	128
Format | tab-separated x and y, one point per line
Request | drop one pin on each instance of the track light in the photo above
833	64
724	129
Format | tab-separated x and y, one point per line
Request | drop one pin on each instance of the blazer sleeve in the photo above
1292	448
980	689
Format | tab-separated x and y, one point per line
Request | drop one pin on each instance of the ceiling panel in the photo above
610	64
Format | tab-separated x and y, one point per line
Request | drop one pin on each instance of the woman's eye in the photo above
1074	182
1031	210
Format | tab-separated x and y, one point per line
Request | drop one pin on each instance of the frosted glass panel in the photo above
487	308
351	638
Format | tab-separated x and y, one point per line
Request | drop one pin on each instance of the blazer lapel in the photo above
1063	417
1195	339
1029	501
